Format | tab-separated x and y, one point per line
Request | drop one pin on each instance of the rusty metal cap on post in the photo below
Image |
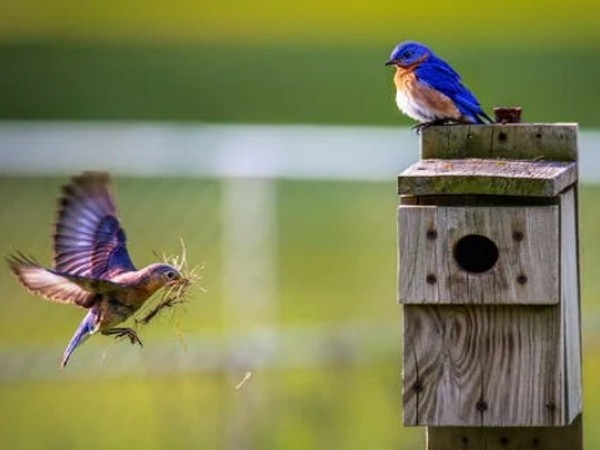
505	114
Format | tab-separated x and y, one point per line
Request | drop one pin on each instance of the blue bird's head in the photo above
408	53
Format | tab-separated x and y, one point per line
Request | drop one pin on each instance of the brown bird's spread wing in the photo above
95	285
49	284
89	241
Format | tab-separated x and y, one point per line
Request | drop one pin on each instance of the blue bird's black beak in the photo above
391	62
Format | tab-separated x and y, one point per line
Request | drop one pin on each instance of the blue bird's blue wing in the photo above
443	78
89	241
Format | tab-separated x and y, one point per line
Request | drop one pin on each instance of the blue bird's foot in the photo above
423	125
120	333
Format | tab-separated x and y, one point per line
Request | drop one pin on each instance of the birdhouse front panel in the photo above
483	365
478	255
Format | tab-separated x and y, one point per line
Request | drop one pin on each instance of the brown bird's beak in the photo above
175	282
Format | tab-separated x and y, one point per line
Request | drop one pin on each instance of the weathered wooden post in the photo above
489	284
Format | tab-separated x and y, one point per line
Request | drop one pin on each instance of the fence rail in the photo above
261	151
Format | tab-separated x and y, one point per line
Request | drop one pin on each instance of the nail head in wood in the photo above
481	406
431	235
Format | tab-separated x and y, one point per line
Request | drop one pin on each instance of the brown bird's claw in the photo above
120	333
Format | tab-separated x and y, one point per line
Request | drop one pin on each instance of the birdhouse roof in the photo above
487	177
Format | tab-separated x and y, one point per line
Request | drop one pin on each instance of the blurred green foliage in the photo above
338	22
275	84
273	62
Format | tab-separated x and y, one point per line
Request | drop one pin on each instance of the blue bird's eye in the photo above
407	54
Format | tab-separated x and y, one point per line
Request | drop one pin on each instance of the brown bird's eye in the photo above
170	275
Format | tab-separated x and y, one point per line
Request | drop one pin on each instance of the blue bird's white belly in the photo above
412	108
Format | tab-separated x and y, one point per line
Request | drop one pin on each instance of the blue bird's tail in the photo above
86	328
486	117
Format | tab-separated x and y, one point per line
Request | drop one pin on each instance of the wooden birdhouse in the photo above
489	278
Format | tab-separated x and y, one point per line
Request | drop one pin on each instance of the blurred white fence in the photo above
258	151
248	158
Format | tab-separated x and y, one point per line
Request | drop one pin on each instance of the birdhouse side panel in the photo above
571	305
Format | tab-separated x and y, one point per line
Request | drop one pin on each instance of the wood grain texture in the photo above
571	311
569	437
527	270
487	177
552	142
482	366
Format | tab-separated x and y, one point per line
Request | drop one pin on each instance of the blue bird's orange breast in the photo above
420	101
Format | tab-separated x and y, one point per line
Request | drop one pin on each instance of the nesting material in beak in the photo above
175	292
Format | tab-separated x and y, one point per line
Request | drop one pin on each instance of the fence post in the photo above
489	285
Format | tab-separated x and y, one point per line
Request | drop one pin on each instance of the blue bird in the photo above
429	90
92	268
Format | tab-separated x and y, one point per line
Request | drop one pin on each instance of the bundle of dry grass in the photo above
177	293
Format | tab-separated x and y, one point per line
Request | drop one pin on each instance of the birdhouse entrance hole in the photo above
475	253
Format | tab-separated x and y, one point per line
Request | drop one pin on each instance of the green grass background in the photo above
269	61
330	274
276	84
260	62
